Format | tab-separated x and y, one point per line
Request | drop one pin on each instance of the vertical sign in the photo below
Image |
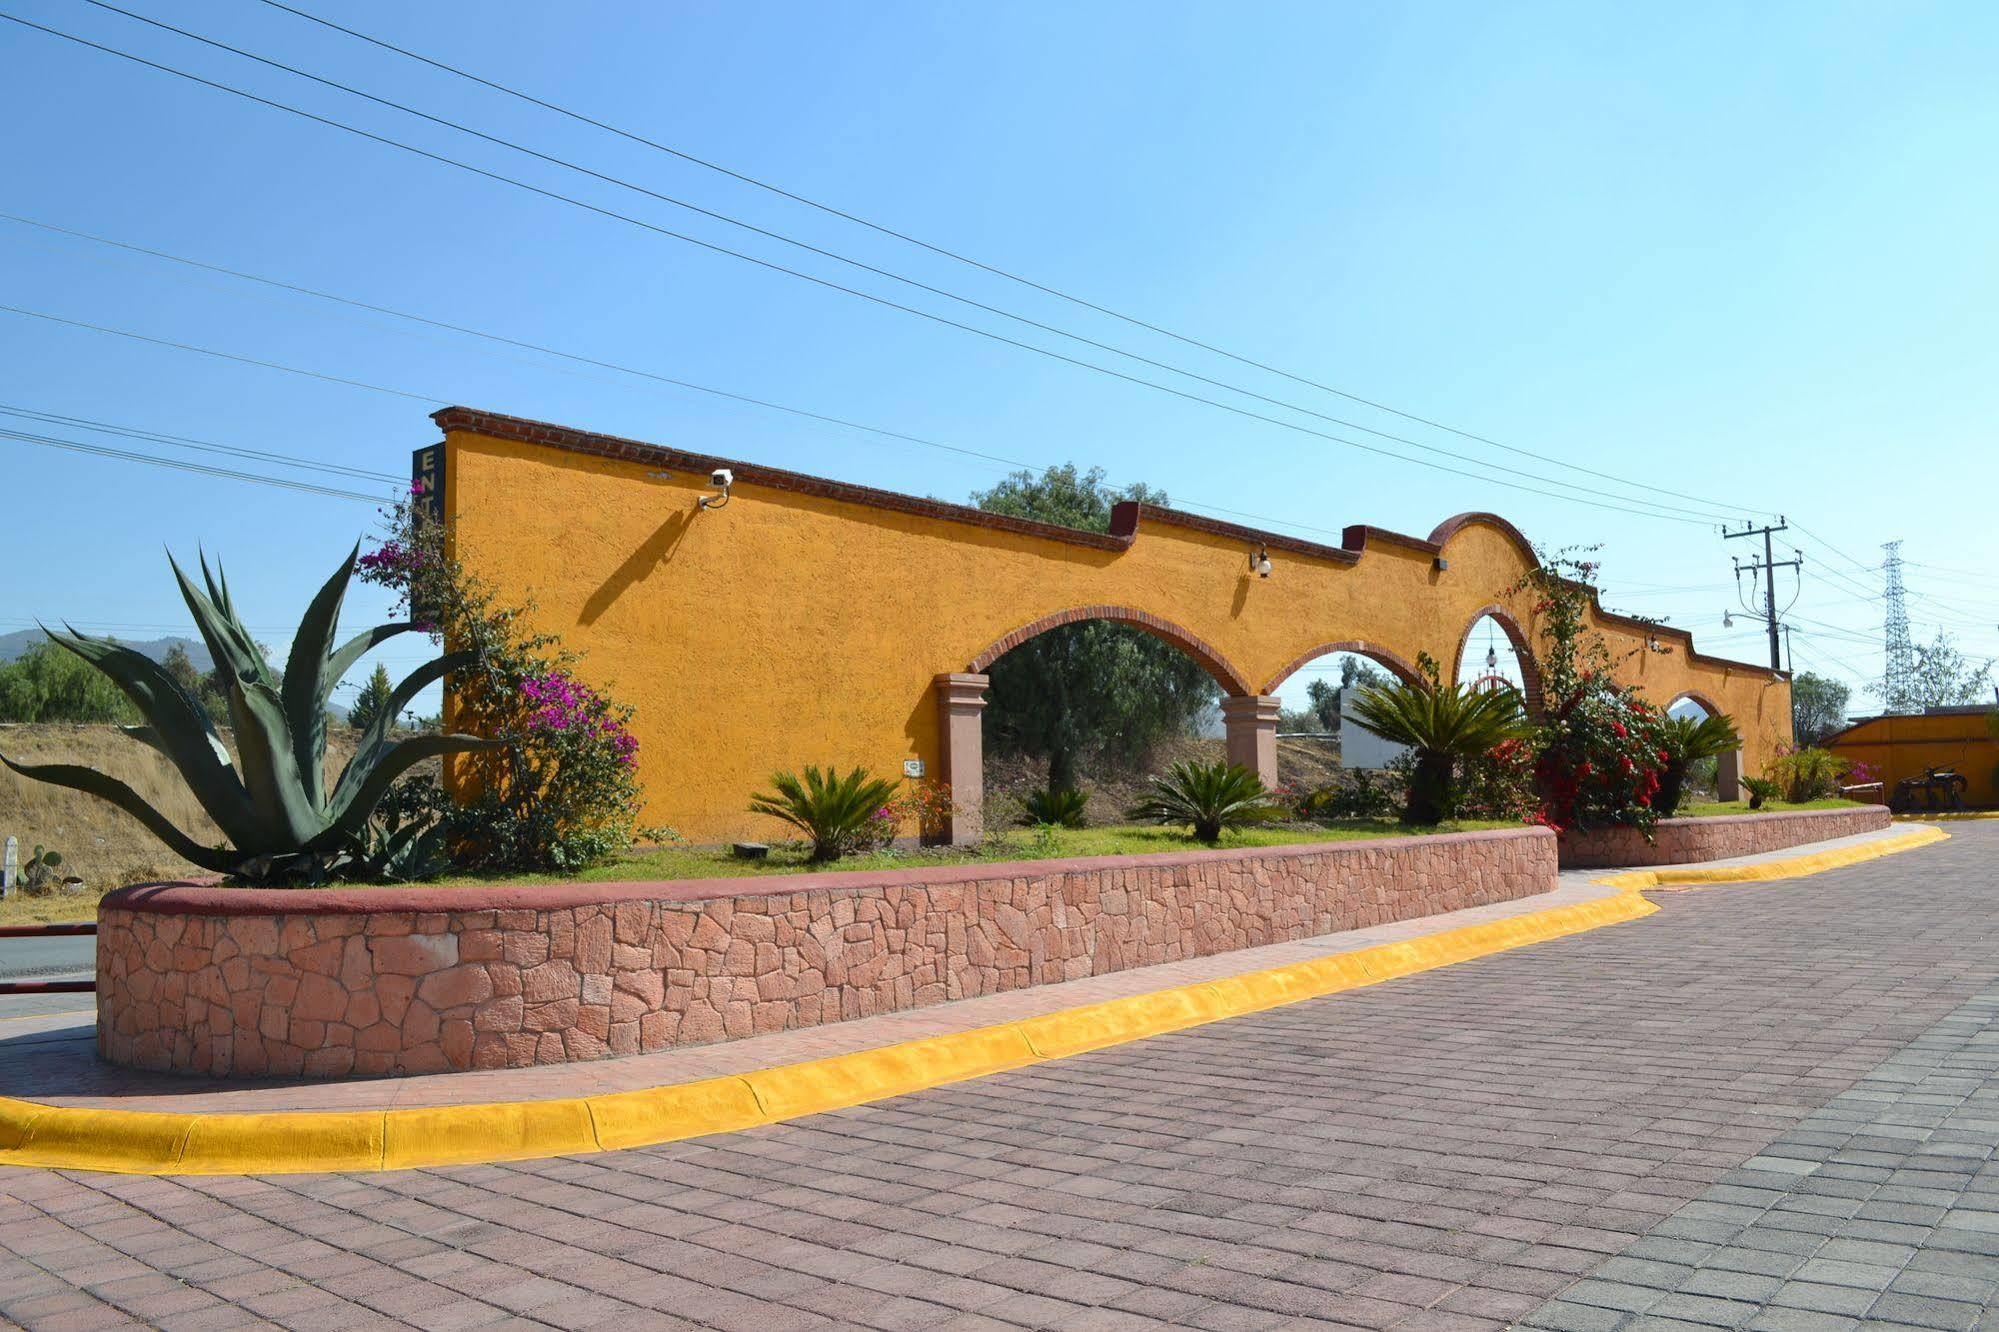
427	498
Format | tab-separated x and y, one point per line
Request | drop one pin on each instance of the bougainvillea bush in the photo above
1600	749
561	791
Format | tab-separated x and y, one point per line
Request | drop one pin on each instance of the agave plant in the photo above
1687	741
840	814
1210	796
1442	726
1057	806
272	805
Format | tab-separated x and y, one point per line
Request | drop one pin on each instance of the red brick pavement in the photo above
1439	1153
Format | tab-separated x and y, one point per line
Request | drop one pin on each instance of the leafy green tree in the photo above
1098	688
1325	699
47	684
1818	708
374	696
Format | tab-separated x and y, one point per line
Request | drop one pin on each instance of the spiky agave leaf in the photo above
230	645
179	727
92	782
375	744
288	816
305	688
353	806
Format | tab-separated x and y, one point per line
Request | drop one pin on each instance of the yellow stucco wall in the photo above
792	628
1899	747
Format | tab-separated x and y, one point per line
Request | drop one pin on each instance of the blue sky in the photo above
1741	251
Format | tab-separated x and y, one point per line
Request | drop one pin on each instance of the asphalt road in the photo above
46	959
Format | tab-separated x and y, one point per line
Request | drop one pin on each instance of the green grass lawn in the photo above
680	862
1708	809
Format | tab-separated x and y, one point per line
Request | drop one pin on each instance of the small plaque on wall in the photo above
912	767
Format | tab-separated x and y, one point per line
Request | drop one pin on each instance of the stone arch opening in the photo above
1493	632
1728	768
1308	761
962	698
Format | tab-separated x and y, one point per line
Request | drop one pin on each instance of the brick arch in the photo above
1523	651
1393	660
1714	709
1226	675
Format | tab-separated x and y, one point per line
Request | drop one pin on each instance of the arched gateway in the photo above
813	621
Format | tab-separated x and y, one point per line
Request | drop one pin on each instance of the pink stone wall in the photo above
330	983
1687	841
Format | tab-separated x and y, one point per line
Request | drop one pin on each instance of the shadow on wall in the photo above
657	550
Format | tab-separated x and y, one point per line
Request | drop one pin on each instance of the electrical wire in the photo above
98	450
182	441
1246	413
979	264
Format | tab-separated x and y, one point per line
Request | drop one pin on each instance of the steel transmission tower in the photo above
1898	678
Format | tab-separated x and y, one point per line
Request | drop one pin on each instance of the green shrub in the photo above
1057	806
1209	796
48	684
1760	789
1807	774
840	815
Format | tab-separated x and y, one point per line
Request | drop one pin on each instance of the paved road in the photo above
24	959
1773	1107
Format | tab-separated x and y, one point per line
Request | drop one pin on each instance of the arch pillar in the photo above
961	710
1251	722
1728	776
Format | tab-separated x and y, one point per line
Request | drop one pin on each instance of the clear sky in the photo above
1743	251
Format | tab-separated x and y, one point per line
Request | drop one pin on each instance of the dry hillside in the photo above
98	842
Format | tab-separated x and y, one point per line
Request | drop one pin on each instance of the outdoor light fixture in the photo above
1259	563
1492	659
1727	619
721	478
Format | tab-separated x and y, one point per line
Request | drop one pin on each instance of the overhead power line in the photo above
201	445
1651	512
230	473
981	265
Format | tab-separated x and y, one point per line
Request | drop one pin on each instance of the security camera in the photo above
721	478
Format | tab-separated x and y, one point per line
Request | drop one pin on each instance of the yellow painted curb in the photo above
1947	815
163	1143
1771	871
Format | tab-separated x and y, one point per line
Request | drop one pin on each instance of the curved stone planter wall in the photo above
331	982
1684	841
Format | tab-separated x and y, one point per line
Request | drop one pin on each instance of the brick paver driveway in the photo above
1769	1106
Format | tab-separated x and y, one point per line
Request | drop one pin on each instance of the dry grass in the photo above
99	843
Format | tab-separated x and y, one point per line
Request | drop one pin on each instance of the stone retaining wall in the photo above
1687	841
333	982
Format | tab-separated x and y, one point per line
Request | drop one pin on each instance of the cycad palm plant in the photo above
838	813
271	802
1443	727
1687	741
1056	806
1210	796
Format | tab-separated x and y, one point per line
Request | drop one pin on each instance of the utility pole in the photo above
1767	570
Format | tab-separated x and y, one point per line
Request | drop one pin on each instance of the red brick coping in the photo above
1689	841
335	982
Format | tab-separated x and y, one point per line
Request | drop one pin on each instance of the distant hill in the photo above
14	644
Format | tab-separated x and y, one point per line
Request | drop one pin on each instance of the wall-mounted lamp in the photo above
1440	564
721	478
1259	562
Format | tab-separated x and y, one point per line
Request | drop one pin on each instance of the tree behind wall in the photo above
1097	689
374	696
1943	677
1818	708
48	684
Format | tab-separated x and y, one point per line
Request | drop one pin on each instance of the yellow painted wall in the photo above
789	628
1898	747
